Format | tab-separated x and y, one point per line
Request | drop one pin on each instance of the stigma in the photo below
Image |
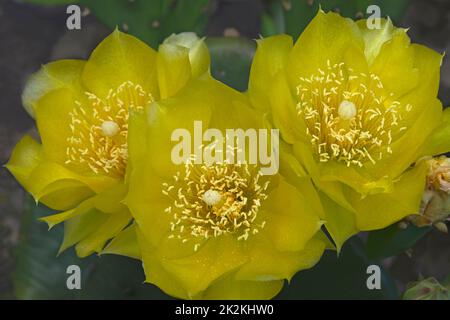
110	128
211	197
347	110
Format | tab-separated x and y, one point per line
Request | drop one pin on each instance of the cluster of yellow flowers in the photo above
357	110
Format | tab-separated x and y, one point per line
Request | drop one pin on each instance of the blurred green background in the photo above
33	32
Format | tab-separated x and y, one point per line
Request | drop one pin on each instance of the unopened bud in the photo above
435	206
427	289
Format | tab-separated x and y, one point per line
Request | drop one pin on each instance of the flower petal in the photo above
327	37
195	272
60	188
125	243
174	69
283	110
339	221
95	241
214	259
290	218
155	273
375	38
53	122
228	288
271	56
267	263
198	51
117	59
55	219
439	141
52	76
80	227
25	157
333	189
395	60
381	210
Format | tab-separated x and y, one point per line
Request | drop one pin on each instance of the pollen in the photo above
209	201
99	129
348	116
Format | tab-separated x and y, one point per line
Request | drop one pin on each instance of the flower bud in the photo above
435	206
198	52
427	289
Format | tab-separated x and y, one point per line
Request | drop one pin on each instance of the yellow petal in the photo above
327	37
381	210
60	194
82	208
198	51
155	272
375	38
216	258
270	57
26	156
53	122
403	152
60	188
283	110
174	69
333	189
290	219
119	58
339	221
137	138
81	226
228	288
95	241
111	199
125	244
189	276
267	263
439	140
147	204
52	76
356	178
396	61
290	167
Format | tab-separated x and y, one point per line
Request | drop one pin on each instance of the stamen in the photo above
209	201
99	130
348	116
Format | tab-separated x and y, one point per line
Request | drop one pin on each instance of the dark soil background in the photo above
31	36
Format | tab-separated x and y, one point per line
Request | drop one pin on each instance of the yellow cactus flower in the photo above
217	230
82	110
357	107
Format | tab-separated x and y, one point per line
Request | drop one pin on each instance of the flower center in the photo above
348	116
99	130
209	201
